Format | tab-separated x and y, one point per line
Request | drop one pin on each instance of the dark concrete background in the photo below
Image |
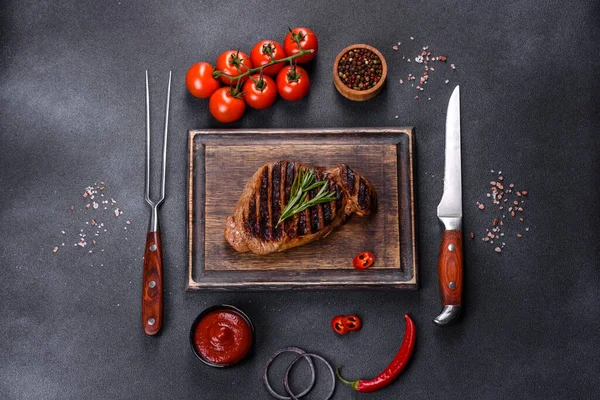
72	113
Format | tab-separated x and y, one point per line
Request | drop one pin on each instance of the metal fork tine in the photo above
164	160
148	142
164	151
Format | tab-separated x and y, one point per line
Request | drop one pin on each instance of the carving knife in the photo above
449	212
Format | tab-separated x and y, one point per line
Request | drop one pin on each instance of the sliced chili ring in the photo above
352	323
286	382
337	323
266	374
363	260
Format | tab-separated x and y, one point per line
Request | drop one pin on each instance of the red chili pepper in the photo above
394	369
338	325
352	323
363	260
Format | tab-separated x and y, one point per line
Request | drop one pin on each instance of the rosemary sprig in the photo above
303	184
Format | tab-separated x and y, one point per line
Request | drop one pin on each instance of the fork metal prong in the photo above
164	150
164	160
148	142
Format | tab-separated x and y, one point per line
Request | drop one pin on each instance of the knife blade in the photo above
449	212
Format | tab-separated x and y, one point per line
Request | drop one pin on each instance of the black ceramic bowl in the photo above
217	308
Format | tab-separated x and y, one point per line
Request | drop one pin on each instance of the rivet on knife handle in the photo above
450	273
152	307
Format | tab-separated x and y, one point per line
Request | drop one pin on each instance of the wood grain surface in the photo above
377	233
222	162
450	268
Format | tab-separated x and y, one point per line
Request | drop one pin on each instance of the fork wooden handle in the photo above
152	287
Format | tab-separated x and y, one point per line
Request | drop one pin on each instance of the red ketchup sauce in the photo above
223	337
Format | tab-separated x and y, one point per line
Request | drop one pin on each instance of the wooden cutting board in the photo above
222	161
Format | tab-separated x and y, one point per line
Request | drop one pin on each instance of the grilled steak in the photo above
253	225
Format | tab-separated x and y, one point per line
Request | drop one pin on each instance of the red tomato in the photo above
293	83
225	107
260	93
338	326
301	38
199	80
233	63
363	260
260	56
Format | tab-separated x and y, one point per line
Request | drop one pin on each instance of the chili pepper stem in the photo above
353	384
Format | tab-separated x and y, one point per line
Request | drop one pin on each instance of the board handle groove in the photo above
152	285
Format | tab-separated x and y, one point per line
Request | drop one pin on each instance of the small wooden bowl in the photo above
359	95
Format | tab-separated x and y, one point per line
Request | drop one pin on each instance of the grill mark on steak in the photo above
290	170
302	223
276	200
289	228
363	194
321	209
251	219
350	180
265	228
344	174
313	212
327	212
302	230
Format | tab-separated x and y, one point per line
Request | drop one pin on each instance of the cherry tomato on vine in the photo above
261	54
363	260
199	80
260	92
226	107
338	326
298	38
233	63
352	323
293	83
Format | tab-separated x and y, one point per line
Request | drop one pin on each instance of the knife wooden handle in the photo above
152	285
450	268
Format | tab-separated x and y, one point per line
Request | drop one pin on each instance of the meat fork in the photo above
152	283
